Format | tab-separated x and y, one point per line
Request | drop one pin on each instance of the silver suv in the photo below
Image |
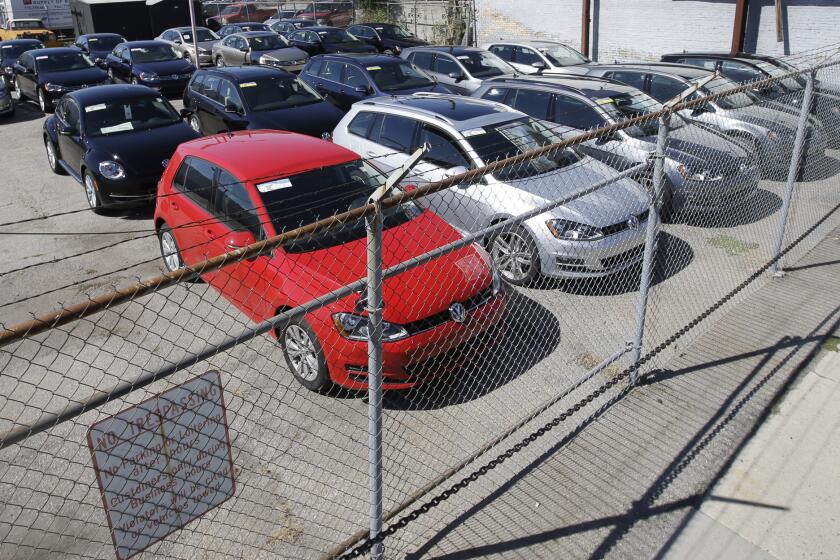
461	69
537	57
181	40
593	236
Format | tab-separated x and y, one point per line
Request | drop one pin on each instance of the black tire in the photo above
220	62
169	250
667	214
19	90
134	81
307	364
53	156
44	103
515	254
194	123
91	192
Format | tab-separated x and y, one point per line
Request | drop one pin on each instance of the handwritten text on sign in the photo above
162	463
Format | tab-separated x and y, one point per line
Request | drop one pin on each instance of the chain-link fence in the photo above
343	355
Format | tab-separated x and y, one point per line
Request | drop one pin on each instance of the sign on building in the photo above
163	463
54	13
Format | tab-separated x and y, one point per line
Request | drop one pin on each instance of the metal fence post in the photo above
650	239
793	171
373	225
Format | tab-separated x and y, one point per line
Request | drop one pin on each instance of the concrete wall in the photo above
644	29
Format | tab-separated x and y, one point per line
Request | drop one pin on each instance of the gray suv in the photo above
181	40
703	170
461	69
593	236
743	116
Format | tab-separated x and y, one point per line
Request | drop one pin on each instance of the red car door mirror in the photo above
236	240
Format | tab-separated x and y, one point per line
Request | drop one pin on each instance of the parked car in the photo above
150	63
115	140
338	14
7	105
240	12
181	39
222	100
594	236
345	79
232	28
259	47
461	69
281	14
288	26
9	53
328	40
767	132
787	67
537	57
241	191
386	37
44	75
18	28
703	170
98	45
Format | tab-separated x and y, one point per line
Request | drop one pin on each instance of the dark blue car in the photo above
115	140
7	106
44	75
345	78
9	53
155	64
252	98
98	45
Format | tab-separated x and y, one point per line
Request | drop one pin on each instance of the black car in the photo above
232	28
324	40
252	98
44	75
115	140
286	27
155	64
9	53
7	105
98	45
347	78
386	37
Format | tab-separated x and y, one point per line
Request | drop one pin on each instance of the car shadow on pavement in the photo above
24	112
758	207
145	212
527	334
819	169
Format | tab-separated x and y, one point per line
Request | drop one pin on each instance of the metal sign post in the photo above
194	35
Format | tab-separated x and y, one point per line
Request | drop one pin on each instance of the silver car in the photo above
181	40
461	69
593	236
259	47
537	57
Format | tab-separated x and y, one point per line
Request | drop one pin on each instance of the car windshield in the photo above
154	53
254	27
631	105
104	43
63	62
202	33
484	64
335	36
504	140
277	92
128	115
267	42
789	83
561	55
734	101
396	76
393	32
314	195
28	24
14	51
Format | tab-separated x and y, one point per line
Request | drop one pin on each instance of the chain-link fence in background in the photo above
609	254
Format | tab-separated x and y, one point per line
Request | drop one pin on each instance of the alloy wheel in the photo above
18	90
169	248
90	192
51	157
195	124
220	62
512	254
302	352
42	101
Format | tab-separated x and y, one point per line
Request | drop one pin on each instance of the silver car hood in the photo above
285	54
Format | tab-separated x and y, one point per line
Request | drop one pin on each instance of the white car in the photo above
537	57
595	235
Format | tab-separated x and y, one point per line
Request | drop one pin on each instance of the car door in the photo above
232	116
122	67
572	112
191	213
209	109
355	85
444	67
329	84
390	141
525	57
631	78
70	146
26	75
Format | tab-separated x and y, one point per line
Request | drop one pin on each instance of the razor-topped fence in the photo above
380	354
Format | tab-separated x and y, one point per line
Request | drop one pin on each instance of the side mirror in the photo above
457	76
185	113
453	171
178	41
362	89
66	129
238	239
244	49
231	108
539	65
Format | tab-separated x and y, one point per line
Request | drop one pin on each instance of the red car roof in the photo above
265	154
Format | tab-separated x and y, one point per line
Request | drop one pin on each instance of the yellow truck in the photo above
28	29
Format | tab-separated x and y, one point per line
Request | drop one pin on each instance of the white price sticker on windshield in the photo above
274	185
117	128
139	49
93	108
41	57
462	57
605	101
374	67
248	84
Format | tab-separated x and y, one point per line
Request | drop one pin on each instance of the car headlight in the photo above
706	175
54	88
111	170
356	327
149	76
568	230
267	60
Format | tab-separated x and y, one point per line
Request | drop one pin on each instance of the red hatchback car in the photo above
223	192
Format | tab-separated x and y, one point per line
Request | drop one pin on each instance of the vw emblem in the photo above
164	163
633	222
458	312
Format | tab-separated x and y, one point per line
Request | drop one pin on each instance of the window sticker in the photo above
371	68
248	84
92	108
41	57
139	49
274	185
462	57
117	128
605	101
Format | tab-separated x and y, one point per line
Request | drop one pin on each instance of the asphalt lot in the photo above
301	458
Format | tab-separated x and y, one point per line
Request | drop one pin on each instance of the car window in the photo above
118	50
505	52
444	151
277	92
198	183
632	79
397	133
701	62
181	175
422	60
740	72
355	78
532	103
524	55
445	65
576	113
234	205
331	70
496	94
229	41
211	88
314	66
229	96
665	88
73	115
197	83
169	36
362	123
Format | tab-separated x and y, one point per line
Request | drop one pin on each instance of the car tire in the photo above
169	250
91	192
111	76
188	58
194	123
515	255
18	89
52	157
667	214
220	62
134	81
45	105
304	355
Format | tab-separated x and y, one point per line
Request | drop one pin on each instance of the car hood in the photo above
284	54
765	117
610	205
74	77
349	46
699	149
178	66
142	152
314	119
418	293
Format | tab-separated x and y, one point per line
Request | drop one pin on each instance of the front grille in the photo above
622	258
621	226
438	319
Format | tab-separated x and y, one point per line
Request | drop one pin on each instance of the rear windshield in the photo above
399	75
128	115
14	51
63	62
155	53
335	36
484	64
277	92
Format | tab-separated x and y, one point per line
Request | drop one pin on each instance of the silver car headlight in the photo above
149	76
357	327
54	88
111	170
705	175
8	70
567	230
267	60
